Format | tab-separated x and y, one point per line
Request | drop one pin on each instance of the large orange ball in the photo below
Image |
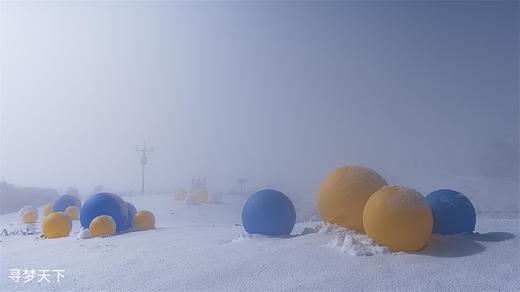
398	218
57	224
344	193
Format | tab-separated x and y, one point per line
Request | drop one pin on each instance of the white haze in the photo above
278	93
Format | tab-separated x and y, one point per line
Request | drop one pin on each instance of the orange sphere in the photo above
344	193
57	224
30	216
180	194
73	212
144	220
102	225
398	218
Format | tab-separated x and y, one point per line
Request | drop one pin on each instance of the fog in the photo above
277	93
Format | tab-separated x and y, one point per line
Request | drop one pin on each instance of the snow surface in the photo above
204	247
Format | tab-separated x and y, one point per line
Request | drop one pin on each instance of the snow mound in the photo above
352	243
241	238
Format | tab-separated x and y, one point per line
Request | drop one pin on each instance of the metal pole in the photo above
142	183
144	161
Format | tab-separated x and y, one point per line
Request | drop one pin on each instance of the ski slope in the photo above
204	247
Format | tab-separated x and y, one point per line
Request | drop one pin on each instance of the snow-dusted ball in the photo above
28	214
344	193
398	218
268	212
64	201
144	220
105	204
452	212
73	212
102	225
57	224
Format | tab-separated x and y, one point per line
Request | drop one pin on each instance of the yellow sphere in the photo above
57	224
102	225
47	210
344	193
144	220
73	212
398	218
201	196
30	216
180	194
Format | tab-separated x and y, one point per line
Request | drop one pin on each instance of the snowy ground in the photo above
203	247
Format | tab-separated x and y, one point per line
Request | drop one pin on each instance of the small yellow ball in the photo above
201	196
57	224
29	216
47	210
73	212
398	218
102	225
144	220
344	193
180	194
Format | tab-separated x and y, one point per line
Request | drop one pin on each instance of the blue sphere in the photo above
104	204
62	202
452	212
268	212
131	213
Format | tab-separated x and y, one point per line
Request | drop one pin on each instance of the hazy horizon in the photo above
277	93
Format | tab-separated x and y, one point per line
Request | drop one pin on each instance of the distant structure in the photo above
198	184
241	181
144	160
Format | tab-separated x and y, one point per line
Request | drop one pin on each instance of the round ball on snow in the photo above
398	218
452	212
344	193
268	212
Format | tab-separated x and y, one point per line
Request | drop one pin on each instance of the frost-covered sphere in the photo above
102	225
144	220
452	212
28	214
64	201
399	218
268	212
344	193
104	204
57	224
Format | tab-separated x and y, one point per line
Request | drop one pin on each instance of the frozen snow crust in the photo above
204	247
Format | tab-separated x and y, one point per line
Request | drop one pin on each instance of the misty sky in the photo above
279	93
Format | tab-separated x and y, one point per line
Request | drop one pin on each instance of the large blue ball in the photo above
268	212
62	202
131	212
104	204
452	212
